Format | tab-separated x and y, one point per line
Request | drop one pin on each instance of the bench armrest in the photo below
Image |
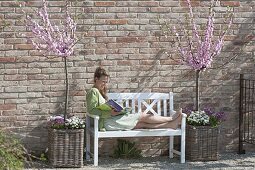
92	116
95	122
183	123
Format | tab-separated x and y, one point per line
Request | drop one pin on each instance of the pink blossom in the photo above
49	38
199	51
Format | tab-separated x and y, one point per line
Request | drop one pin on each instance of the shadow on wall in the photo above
223	91
31	128
143	76
34	136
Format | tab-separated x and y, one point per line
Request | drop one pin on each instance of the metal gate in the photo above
247	111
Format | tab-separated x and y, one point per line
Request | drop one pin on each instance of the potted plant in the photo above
66	141
202	134
53	40
197	45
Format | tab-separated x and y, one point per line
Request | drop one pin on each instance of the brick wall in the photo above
123	39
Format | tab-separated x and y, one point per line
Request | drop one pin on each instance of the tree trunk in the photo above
197	90
67	89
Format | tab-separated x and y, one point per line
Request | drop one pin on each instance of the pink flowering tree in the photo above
201	48
53	40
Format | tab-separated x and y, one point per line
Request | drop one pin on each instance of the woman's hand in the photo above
114	112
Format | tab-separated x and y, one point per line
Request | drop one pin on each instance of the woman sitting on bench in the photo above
113	120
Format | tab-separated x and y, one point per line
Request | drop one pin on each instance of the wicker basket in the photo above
202	143
66	147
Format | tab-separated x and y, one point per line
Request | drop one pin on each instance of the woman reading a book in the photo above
113	120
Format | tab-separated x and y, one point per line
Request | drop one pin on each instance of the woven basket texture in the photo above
66	147
202	143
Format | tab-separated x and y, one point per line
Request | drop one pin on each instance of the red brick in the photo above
148	3
7	59
229	38
194	3
124	62
10	112
34	3
147	62
6	35
57	3
8	119
14	41
5	9
128	39
117	22
170	62
7	106
10	4
37	77
104	3
230	3
6	47
13	16
160	9
15	77
23	47
106	51
94	9
105	40
96	33
138	9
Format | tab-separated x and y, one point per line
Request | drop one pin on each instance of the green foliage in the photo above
213	121
43	157
11	153
126	149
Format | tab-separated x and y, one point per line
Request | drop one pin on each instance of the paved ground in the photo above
226	162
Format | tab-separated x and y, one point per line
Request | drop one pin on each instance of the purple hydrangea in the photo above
220	116
216	117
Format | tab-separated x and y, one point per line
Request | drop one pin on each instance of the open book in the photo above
109	105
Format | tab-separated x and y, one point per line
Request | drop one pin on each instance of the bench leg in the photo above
87	139
87	144
96	149
171	146
183	148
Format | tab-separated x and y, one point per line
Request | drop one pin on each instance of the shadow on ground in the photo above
226	161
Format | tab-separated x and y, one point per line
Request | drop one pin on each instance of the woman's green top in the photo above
94	99
123	121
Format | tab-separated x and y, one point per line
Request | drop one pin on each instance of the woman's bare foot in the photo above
177	114
177	121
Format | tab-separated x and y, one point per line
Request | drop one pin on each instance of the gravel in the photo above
226	161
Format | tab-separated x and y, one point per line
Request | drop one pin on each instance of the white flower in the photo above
75	123
198	118
70	123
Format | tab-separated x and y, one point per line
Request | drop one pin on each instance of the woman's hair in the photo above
97	75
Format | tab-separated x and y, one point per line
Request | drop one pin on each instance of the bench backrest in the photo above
156	103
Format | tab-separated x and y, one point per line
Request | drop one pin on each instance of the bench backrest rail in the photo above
156	103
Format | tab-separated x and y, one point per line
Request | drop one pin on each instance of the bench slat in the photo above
140	133
165	107
138	95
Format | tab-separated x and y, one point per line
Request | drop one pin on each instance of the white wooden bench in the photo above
156	103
